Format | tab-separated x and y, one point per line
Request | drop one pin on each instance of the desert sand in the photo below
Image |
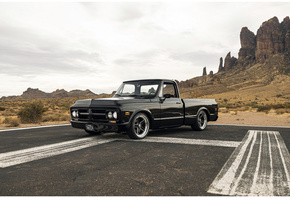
232	117
254	118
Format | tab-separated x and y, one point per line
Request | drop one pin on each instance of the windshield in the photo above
146	89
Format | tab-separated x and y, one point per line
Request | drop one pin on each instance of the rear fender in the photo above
205	110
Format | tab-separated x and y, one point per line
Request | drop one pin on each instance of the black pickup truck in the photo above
140	105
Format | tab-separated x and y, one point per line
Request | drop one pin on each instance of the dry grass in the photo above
57	111
269	99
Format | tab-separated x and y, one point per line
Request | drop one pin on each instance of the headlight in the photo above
110	115
115	115
75	114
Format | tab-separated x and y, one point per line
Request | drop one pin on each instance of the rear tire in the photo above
139	126
200	122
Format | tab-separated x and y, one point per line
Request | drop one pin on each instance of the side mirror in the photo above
161	99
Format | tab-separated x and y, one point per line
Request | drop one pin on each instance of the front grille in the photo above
98	114
93	114
83	114
101	111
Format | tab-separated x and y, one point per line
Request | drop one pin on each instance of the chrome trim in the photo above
190	116
169	118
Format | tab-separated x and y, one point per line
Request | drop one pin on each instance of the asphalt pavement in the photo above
61	160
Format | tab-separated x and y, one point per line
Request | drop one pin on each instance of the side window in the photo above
169	90
148	89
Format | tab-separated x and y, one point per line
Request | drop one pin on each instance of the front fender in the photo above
145	111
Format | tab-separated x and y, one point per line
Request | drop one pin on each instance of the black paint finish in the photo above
164	107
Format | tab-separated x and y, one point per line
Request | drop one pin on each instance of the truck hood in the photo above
107	101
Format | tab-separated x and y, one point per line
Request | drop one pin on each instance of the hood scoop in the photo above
103	102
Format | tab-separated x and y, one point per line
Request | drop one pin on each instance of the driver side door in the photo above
171	112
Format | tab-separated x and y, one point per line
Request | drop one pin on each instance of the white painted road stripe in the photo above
260	166
59	125
27	155
31	154
244	125
192	141
36	127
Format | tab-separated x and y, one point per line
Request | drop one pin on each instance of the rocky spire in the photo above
248	44
204	72
221	65
269	39
286	31
210	74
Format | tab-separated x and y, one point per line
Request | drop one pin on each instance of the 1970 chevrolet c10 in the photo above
140	105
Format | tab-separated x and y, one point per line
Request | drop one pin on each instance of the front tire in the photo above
139	126
200	122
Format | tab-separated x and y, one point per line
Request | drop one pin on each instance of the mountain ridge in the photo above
256	66
263	60
35	93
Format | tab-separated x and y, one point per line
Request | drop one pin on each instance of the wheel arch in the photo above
205	110
146	112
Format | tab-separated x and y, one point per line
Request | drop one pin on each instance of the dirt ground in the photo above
239	118
254	118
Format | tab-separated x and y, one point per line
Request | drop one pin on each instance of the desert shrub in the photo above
11	122
14	122
65	106
223	110
265	108
51	118
8	113
32	112
280	111
6	121
2	108
252	104
65	118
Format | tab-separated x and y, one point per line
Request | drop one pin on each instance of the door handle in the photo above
178	102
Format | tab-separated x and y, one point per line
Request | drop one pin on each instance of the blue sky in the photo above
97	45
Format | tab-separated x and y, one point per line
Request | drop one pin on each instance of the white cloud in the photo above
97	45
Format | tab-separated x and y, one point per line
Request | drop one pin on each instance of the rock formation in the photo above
272	38
286	31
204	73
287	41
229	62
210	74
248	44
59	93
221	65
34	93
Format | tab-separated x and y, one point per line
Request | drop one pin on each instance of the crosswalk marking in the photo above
27	155
31	154
259	166
192	141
